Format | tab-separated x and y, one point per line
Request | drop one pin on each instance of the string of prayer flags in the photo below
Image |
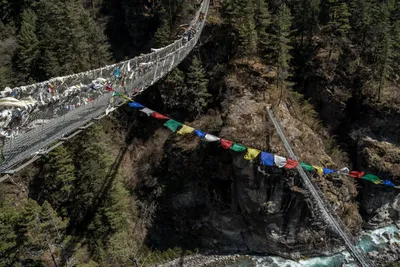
147	111
211	138
267	159
173	125
185	130
159	116
252	153
306	166
135	105
225	143
291	164
238	148
279	161
200	133
373	178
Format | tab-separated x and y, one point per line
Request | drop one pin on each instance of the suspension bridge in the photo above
49	113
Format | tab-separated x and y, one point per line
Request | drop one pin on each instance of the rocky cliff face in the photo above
369	132
216	200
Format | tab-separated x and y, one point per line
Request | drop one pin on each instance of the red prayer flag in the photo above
226	143
108	88
291	164
90	99
356	174
159	116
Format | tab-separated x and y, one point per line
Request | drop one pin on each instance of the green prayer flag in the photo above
373	178
115	94
238	148
173	125
306	166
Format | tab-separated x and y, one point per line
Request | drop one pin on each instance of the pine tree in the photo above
59	176
28	45
93	162
9	216
173	88
305	18
383	46
99	49
361	19
52	32
241	17
197	83
162	37
395	57
338	26
263	20
39	229
70	41
279	47
8	46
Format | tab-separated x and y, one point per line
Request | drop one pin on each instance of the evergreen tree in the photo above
59	176
338	26
8	46
52	32
173	88
395	56
162	37
9	216
28	45
279	47
99	49
305	17
28	230
197	87
241	16
92	162
361	19
263	22
70	41
383	45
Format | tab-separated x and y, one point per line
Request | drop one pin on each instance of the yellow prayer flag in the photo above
125	97
251	153
185	130
320	170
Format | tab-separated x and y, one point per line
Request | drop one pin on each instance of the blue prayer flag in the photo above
117	72
388	183
327	171
200	133
267	158
136	105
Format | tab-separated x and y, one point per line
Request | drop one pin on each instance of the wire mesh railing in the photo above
34	116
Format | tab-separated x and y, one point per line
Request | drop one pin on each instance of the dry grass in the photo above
382	156
213	18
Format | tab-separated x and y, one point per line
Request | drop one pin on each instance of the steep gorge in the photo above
188	194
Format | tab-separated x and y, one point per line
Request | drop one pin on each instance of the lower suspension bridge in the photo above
40	117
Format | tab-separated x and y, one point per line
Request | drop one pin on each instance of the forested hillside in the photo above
113	195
